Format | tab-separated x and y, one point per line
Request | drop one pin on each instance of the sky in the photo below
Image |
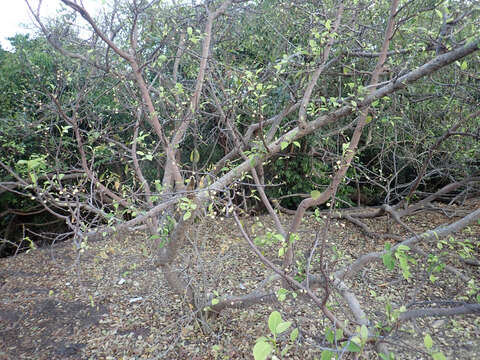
13	13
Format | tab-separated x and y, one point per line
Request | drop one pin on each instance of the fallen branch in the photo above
431	312
436	233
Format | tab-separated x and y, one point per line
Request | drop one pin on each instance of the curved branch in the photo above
436	233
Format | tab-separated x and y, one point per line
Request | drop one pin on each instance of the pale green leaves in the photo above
326	355
35	164
363	333
402	257
284	144
194	156
188	206
283	326
262	349
315	194
387	258
276	324
358	341
332	336
438	356
427	340
282	294
328	24
266	345
294	335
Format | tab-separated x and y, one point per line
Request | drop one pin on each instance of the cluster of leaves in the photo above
265	345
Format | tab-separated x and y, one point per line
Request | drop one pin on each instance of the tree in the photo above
166	109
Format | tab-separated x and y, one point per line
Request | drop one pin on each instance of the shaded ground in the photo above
114	304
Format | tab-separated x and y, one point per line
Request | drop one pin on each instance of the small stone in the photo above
438	323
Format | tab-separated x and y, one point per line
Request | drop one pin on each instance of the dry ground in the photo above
114	304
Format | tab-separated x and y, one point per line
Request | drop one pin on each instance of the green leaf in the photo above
187	215
284	144
282	294
330	336
352	346
189	30
283	326
294	335
315	194
326	355
438	356
328	24
194	156
388	261
278	237
273	320
427	340
215	301
364	332
356	340
403	248
464	65
261	350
